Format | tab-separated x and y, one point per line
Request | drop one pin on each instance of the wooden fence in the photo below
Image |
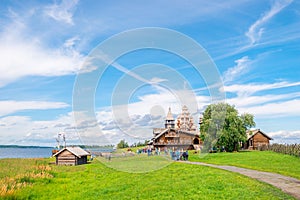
290	149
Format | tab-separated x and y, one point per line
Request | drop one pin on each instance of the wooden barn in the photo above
256	139
71	156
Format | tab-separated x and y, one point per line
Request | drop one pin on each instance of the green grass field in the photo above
258	160
137	164
101	180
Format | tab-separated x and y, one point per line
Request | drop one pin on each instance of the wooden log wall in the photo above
66	158
259	140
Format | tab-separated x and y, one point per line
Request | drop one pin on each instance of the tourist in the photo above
149	152
186	155
173	155
177	154
166	151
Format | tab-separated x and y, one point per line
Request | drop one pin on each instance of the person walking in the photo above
186	155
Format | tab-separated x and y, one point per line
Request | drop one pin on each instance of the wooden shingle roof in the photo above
177	131
251	133
77	151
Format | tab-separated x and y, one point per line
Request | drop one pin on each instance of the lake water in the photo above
15	152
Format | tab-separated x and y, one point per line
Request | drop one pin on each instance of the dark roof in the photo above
77	151
251	133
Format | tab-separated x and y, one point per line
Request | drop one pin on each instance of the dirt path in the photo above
286	184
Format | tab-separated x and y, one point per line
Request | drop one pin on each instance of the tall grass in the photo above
16	174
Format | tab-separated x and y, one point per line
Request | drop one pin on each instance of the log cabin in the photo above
71	156
256	139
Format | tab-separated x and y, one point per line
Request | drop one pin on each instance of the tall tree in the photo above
122	144
223	126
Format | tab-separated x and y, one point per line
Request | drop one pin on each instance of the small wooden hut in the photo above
256	139
71	156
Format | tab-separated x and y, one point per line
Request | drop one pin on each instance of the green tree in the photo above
122	144
223	126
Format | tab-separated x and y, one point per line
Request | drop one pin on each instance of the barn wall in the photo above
65	158
260	140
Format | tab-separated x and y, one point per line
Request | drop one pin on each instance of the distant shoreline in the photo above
20	146
82	146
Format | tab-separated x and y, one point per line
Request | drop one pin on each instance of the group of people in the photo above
180	155
175	154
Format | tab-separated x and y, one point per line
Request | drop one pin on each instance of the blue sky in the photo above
255	46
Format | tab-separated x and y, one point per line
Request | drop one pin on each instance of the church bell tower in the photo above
170	121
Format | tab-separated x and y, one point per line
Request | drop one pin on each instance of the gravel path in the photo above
287	184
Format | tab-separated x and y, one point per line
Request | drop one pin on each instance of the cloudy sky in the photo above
46	45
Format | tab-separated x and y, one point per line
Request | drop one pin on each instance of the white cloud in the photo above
256	30
9	107
22	56
13	128
23	130
134	120
19	59
248	89
247	101
241	67
62	12
274	110
285	136
69	44
142	116
265	106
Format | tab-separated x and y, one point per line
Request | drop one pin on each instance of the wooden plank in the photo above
66	158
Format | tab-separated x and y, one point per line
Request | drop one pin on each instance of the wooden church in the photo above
180	136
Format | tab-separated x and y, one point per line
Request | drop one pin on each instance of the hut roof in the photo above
77	151
251	133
